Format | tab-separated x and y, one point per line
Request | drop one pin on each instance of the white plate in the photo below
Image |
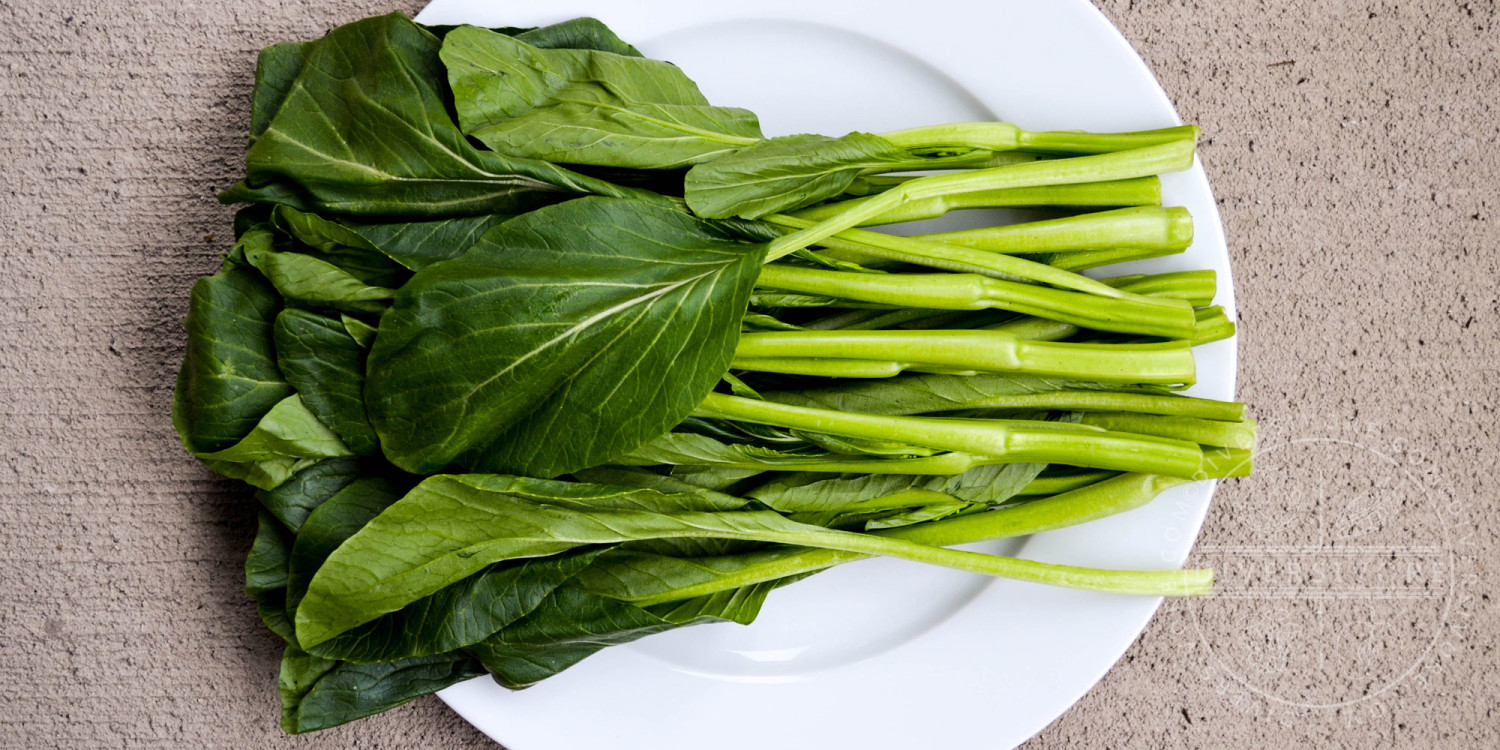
882	654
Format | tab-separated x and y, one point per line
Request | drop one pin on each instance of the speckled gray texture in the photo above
1352	148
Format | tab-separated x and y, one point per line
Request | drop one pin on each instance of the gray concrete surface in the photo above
1352	147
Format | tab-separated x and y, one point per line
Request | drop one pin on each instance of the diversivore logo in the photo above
1348	588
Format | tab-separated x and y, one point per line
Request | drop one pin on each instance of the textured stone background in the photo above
1351	145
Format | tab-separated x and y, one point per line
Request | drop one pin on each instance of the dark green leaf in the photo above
364	130
265	575
229	378
786	173
308	280
988	485
456	616
319	693
275	70
287	439
292	500
563	338
408	246
567	627
335	243
923	514
694	449
327	367
363	333
332	522
450	527
585	106
578	33
573	624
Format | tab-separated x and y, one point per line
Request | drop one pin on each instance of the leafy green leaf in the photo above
763	322
309	280
229	378
786	173
287	439
458	615
578	33
329	525
335	243
363	333
563	338
265	574
692	448
327	367
923	514
408	246
990	484
319	693
291	501
567	627
922	394
276	68
585	106
450	527
364	130
573	624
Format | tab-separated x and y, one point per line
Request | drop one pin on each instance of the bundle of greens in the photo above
530	350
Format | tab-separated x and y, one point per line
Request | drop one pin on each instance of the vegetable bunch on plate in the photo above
531	350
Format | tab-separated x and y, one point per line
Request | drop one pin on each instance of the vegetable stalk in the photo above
1092	502
1151	316
1000	136
1005	440
1168	363
1140	162
1136	191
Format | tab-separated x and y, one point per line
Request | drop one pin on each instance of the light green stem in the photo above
858	245
942	464
1099	500
1137	191
1196	287
1054	484
1140	162
1166	405
1213	432
1213	325
1149	316
1014	441
1000	136
1168	230
1084	260
1167	363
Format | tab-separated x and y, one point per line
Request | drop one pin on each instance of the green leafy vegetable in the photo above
421	286
596	311
319	357
584	106
787	173
229	378
319	693
364	129
404	246
451	527
265	575
291	501
287	439
307	280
